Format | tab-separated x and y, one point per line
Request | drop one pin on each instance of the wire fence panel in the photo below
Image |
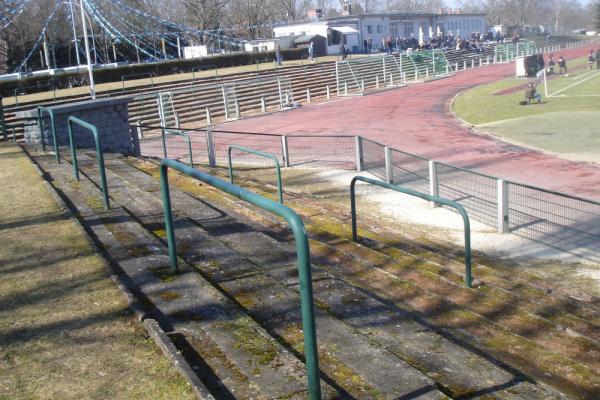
177	147
476	192
565	223
410	171
262	142
330	151
373	158
151	147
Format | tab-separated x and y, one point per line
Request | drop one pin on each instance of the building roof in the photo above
397	14
305	38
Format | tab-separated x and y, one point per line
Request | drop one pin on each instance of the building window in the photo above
369	29
408	29
378	28
334	37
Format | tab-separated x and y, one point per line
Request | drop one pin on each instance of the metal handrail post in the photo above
436	199
302	251
261	154
99	154
166	131
2	121
41	110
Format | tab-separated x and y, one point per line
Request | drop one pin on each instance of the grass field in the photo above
66	331
565	124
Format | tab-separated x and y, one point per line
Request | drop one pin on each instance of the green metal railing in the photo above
41	110
435	199
177	132
2	121
302	251
261	154
99	153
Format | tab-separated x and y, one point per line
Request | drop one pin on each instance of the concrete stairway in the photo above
389	324
191	104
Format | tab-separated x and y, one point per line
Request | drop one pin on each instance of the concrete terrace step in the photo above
528	337
458	368
264	286
245	360
187	103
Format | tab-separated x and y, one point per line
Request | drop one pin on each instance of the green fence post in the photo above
302	250
99	154
168	213
436	199
73	150
164	145
41	110
2	122
261	154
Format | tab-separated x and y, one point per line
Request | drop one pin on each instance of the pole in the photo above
87	54
114	51
137	50
75	41
46	53
178	47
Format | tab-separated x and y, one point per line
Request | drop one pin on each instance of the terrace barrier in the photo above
302	251
260	154
99	153
436	199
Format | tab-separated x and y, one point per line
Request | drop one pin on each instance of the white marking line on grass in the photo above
577	95
583	75
574	84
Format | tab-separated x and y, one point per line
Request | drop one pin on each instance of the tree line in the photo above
250	19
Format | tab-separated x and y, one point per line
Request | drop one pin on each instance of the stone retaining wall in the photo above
110	116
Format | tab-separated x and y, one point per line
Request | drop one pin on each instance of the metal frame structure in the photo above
302	251
261	154
435	199
40	111
99	153
177	132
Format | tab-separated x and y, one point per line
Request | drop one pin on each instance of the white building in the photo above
260	45
353	30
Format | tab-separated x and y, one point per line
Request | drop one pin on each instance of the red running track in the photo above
417	119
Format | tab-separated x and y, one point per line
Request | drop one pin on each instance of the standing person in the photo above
562	65
278	55
598	59
551	64
369	45
591	59
540	61
343	51
366	46
311	51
